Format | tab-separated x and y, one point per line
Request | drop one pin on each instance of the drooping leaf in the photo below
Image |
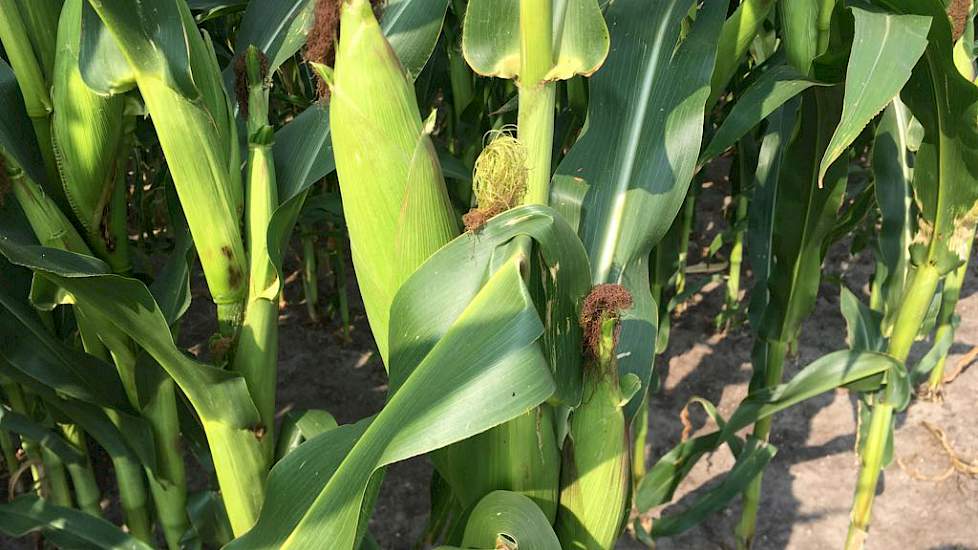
66	527
749	464
769	92
885	49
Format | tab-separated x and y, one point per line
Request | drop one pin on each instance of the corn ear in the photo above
257	349
88	139
595	475
394	198
177	74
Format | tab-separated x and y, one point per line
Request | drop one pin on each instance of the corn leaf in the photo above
637	173
489	356
862	323
844	368
20	424
760	223
750	463
804	216
219	397
946	104
503	516
893	171
491	38
884	51
65	527
769	92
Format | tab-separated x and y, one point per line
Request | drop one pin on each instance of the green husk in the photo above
394	198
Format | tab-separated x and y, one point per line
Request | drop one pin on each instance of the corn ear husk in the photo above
595	484
519	456
88	138
394	198
176	70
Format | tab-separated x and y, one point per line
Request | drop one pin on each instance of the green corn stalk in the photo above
18	403
54	230
9	446
945	321
395	204
257	352
28	33
310	279
947	201
87	493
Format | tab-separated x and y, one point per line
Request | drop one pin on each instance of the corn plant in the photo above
515	246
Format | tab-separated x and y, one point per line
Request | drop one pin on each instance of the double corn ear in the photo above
394	198
88	139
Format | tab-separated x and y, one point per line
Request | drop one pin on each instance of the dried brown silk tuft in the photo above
958	12
606	301
324	35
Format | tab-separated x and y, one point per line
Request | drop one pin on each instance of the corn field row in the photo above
513	184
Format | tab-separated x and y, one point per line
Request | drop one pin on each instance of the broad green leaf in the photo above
884	51
412	27
893	170
65	527
946	104
276	27
299	426
30	348
862	323
833	370
506	517
488	357
491	38
637	156
16	131
769	92
760	222
804	217
424	317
